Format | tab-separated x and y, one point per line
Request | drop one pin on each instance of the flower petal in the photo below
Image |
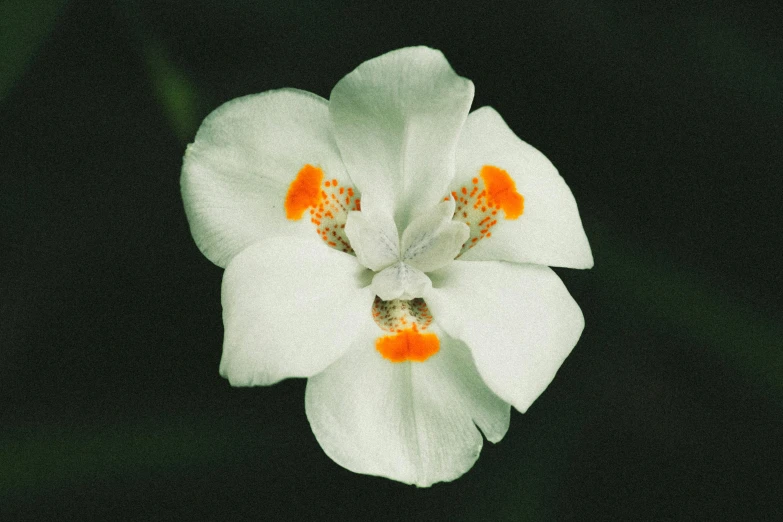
549	232
400	281
374	238
519	321
237	171
397	119
433	239
291	306
411	422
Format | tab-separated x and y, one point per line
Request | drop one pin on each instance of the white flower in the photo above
393	249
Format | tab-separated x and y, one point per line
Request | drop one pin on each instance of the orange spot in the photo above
304	192
502	191
408	345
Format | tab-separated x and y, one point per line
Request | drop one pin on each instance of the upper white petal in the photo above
291	306
519	321
549	232
411	422
433	239
237	171
397	119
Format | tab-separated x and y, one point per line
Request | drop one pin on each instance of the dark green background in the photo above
666	123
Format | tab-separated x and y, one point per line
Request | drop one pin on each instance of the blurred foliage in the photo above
177	94
24	25
650	286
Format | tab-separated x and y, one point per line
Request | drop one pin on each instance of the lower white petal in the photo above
412	422
291	307
519	321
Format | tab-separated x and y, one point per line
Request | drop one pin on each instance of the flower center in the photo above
328	203
479	203
406	322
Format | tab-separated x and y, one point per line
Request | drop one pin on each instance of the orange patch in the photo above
408	345
502	191
304	192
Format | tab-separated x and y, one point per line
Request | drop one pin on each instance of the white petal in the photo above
519	321
411	422
374	239
433	239
400	281
397	119
291	306
549	232
247	152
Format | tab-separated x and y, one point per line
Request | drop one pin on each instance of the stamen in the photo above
405	320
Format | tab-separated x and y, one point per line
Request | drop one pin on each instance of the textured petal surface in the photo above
433	239
400	281
549	232
411	422
291	306
374	238
236	173
397	119
519	321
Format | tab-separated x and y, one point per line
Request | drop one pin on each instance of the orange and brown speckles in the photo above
304	192
408	345
502	191
405	321
478	204
328	203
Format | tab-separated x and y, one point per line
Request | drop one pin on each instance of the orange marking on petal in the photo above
304	192
502	191
408	345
